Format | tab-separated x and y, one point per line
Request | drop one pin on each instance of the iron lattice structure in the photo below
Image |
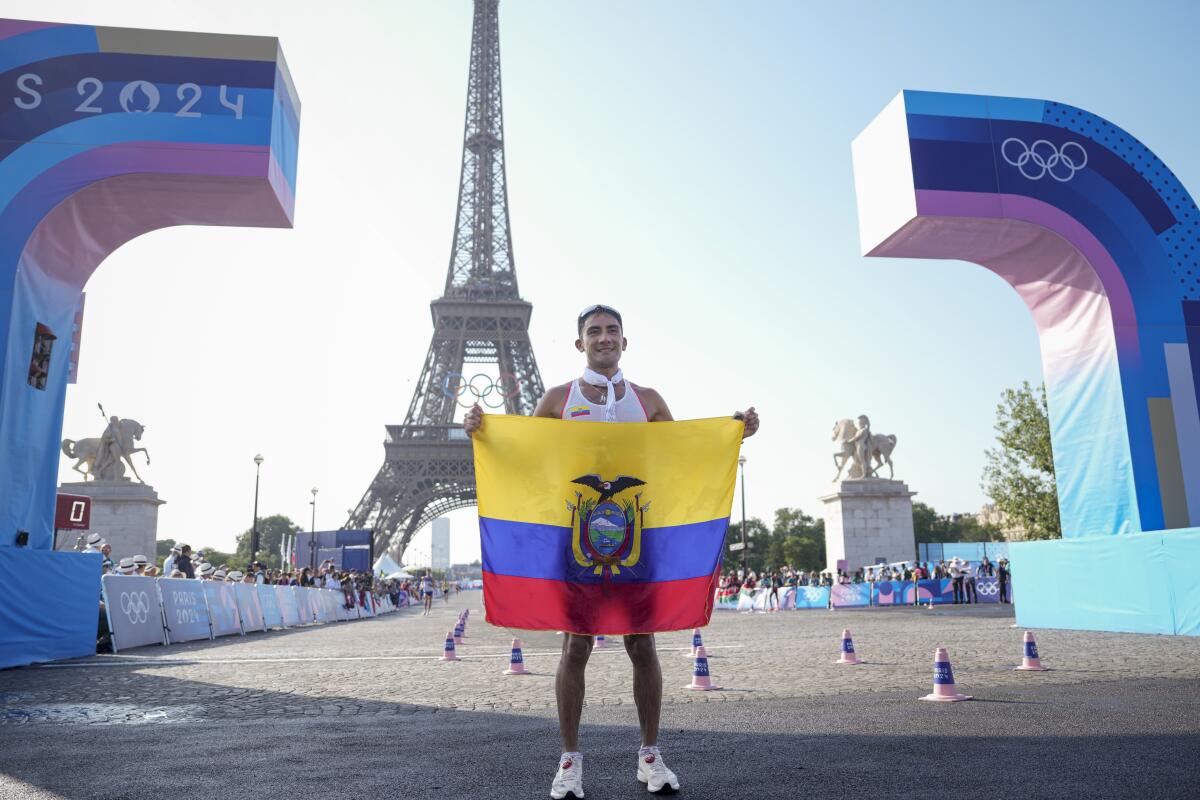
428	466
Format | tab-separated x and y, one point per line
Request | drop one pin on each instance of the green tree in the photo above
161	548
1018	474
271	531
758	537
929	526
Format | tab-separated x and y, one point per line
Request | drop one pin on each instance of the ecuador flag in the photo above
606	528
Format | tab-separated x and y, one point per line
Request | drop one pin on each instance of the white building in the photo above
440	544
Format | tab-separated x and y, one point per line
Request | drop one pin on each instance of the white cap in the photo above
126	566
176	549
235	575
206	568
95	540
140	560
219	575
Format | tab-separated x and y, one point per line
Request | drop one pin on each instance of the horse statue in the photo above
878	448
124	434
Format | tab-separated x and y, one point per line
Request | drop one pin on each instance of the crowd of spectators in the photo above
963	575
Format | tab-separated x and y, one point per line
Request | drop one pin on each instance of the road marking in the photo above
153	661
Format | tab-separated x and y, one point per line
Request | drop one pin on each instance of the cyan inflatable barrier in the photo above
49	605
1157	592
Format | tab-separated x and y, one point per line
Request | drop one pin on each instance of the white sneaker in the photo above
569	777
653	772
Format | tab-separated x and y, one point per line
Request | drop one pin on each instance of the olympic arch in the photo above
106	134
1102	242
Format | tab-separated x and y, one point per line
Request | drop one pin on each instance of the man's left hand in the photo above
749	418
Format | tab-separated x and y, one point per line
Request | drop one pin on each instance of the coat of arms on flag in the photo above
568	538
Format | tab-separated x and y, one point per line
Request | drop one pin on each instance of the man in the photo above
427	593
169	562
971	595
1002	579
183	562
956	579
603	395
140	562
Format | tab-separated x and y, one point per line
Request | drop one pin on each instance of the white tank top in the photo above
629	406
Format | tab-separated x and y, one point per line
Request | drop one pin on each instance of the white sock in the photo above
644	751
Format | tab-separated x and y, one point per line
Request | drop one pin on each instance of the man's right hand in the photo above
473	421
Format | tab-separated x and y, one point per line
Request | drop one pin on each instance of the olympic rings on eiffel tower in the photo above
481	389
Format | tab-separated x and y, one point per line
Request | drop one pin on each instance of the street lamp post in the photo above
742	464
312	535
258	459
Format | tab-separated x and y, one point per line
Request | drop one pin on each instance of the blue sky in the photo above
687	162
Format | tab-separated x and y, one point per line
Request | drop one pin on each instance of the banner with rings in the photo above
988	590
134	611
249	607
481	388
184	609
222	608
268	598
287	605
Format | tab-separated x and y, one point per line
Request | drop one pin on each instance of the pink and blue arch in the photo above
1102	242
106	134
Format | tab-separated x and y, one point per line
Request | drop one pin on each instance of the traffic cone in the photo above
448	653
697	643
458	633
701	681
601	642
516	663
943	680
1030	662
848	655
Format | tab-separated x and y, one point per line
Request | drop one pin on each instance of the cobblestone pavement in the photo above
254	706
392	665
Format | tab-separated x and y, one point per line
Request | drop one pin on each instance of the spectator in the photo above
151	572
206	570
127	567
956	577
1002	574
169	562
183	562
140	563
969	584
986	570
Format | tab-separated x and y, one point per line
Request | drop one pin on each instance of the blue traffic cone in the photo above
516	662
448	653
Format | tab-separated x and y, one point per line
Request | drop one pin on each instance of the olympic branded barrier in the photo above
249	607
858	595
144	610
288	606
268	598
185	609
134	611
850	595
222	608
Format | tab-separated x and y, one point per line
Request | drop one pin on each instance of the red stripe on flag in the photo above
537	604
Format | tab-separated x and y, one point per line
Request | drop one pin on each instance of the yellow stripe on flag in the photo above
524	466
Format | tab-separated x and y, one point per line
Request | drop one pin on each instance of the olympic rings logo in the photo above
1042	158
988	588
135	606
481	389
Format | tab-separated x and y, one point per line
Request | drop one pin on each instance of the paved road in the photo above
365	705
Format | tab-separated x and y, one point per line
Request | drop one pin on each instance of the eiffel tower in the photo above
428	467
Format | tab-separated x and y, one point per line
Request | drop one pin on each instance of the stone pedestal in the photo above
125	513
866	520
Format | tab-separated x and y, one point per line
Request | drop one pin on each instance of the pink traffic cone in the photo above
448	653
697	643
1030	662
601	642
848	655
458	633
516	663
701	680
943	680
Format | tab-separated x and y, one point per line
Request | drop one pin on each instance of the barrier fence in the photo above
145	611
858	595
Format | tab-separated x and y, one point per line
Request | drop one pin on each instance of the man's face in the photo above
106	549
601	340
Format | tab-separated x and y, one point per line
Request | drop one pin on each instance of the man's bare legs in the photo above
647	684
569	686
